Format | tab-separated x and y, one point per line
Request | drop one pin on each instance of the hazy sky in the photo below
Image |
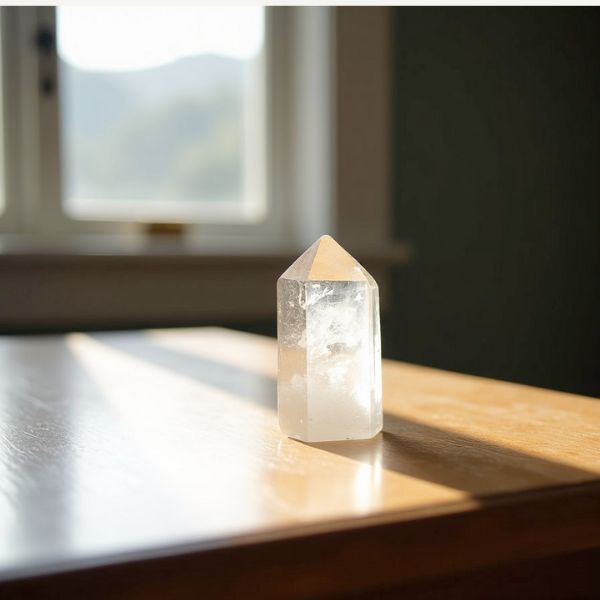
135	37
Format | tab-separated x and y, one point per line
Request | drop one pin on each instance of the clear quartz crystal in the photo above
329	382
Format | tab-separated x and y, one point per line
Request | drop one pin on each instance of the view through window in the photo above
161	111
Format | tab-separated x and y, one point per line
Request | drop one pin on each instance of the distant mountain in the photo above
190	76
169	132
106	97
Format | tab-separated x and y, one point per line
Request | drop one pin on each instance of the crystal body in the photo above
329	380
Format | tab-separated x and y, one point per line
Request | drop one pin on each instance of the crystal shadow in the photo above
454	460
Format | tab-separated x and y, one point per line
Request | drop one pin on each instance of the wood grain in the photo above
159	451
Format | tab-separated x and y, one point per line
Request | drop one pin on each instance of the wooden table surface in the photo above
142	463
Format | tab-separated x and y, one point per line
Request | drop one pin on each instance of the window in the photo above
160	112
322	169
116	122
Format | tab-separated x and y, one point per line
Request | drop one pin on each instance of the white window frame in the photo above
10	213
2	121
298	128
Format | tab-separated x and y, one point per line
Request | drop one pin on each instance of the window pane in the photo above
161	111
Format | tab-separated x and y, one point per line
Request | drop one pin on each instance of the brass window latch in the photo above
169	229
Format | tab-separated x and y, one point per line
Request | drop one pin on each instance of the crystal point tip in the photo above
326	260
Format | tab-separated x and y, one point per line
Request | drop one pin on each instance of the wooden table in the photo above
150	465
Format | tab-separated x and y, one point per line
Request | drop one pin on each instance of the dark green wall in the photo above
497	185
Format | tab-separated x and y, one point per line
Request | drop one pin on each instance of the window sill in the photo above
102	282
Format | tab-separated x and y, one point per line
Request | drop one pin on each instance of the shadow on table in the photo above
452	459
223	376
405	446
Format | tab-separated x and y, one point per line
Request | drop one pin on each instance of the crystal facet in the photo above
329	382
